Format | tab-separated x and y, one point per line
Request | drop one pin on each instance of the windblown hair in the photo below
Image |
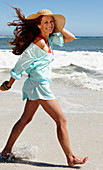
25	32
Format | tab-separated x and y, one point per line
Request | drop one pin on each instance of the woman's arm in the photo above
67	35
11	81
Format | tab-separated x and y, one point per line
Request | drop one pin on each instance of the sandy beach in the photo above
38	147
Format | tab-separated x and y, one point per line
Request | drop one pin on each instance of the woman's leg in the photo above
29	111
54	110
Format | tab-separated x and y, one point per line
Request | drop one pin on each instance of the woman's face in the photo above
47	24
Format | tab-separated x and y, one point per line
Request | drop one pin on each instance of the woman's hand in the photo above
2	88
7	84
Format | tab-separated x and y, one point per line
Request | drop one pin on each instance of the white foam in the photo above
81	80
7	59
84	59
93	61
2	36
25	151
90	60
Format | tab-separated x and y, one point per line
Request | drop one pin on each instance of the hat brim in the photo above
59	20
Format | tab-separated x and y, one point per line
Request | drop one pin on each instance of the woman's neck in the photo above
45	36
46	41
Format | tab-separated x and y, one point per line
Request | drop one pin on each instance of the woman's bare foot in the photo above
74	160
10	156
5	152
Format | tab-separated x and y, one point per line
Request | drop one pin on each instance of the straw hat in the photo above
59	19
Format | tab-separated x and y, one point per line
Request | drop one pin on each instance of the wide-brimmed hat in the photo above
59	19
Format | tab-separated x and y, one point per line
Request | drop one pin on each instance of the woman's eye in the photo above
51	21
45	22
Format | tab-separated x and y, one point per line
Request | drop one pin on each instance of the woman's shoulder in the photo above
39	42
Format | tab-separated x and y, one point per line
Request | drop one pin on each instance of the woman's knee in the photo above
29	112
61	121
25	120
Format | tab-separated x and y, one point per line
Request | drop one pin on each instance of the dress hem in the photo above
38	99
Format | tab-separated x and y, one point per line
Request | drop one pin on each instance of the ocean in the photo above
78	63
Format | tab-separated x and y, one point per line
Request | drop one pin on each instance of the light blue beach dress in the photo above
37	63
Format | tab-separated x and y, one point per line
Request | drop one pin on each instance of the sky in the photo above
83	17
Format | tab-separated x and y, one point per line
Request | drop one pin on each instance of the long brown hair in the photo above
25	32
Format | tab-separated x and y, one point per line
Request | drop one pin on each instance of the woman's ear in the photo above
39	26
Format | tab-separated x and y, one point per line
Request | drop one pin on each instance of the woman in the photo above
34	39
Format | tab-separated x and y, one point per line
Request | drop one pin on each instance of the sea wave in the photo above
81	80
82	68
85	59
79	68
3	36
8	59
6	36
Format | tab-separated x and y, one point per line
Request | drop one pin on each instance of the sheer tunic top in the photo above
37	63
